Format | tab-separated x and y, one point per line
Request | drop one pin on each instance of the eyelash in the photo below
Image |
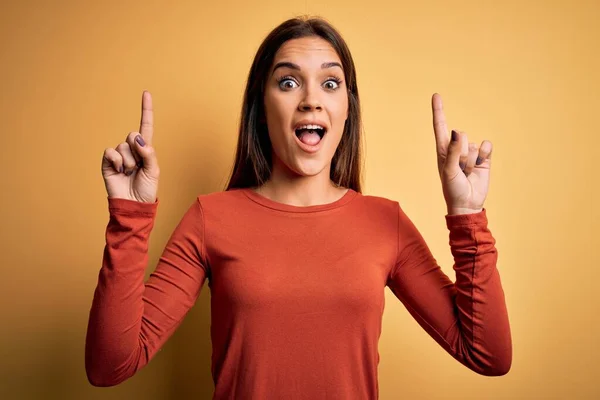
337	80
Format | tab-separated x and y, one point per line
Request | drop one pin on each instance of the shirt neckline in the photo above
266	202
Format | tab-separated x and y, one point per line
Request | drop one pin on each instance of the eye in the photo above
332	83
286	83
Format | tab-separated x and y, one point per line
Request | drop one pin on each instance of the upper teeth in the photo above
310	127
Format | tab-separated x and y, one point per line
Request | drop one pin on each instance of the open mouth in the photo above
310	135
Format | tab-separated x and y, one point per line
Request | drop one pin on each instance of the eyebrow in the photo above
287	64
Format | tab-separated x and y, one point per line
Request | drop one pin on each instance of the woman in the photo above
297	259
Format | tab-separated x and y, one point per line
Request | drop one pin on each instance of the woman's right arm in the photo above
131	320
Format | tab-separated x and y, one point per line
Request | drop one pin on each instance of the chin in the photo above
308	167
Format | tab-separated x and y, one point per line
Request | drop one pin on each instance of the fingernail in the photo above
121	169
454	136
462	165
479	160
140	140
128	173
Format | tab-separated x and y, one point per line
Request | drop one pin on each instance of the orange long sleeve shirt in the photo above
297	293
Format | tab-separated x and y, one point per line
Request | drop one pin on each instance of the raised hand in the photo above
464	167
131	170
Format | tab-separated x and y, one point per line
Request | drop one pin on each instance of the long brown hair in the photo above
253	161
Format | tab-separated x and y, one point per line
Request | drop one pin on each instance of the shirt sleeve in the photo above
130	319
468	318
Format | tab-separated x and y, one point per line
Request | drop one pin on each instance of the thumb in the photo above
148	156
456	148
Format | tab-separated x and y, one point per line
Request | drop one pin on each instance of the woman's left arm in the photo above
468	318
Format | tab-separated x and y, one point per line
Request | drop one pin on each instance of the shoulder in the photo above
379	205
379	210
221	199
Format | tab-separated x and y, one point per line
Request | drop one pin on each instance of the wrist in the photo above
463	211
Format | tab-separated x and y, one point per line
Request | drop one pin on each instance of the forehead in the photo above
306	51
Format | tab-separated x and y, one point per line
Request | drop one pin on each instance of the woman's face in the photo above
305	87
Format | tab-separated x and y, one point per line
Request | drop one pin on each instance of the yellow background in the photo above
521	74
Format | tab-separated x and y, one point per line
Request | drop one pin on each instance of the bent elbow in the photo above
488	363
102	379
496	371
502	369
102	371
499	368
100	374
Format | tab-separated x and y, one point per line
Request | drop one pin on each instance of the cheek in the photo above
274	124
339	113
339	104
276	109
279	113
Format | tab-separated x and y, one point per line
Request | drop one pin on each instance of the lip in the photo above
310	122
305	147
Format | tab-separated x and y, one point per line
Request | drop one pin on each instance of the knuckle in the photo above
112	155
131	136
123	146
108	155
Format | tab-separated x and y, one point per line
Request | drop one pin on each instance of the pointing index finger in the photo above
147	121
439	123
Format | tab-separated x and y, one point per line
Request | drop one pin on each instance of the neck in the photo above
303	191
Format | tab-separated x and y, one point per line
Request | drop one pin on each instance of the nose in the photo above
310	102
